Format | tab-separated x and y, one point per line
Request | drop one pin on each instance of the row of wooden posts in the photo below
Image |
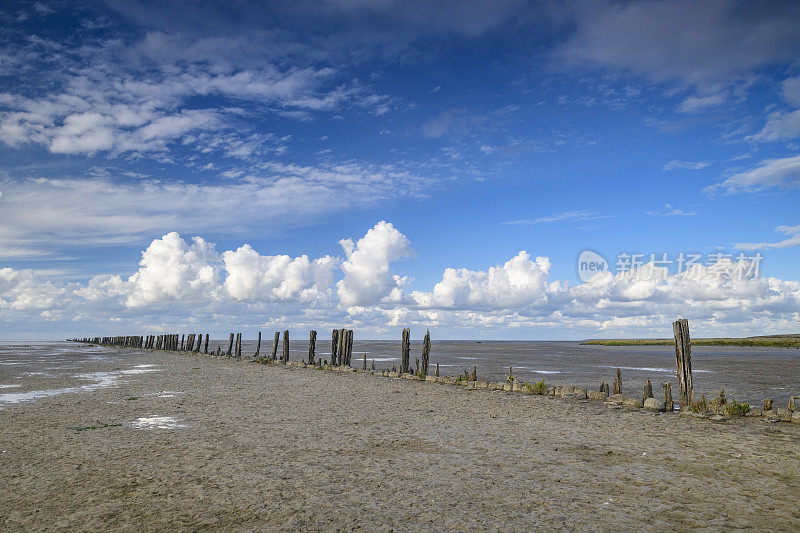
341	344
342	351
171	342
341	347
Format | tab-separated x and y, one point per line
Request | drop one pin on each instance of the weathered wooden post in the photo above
437	370
618	383
426	352
334	346
312	346
183	343
474	376
348	338
668	404
239	345
683	360
230	346
258	346
405	351
648	390
285	346
275	345
349	346
342	347
205	350
364	365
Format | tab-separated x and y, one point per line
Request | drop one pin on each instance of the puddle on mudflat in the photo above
157	422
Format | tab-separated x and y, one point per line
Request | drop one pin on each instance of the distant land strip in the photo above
774	341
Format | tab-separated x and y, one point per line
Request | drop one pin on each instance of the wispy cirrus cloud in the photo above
565	216
687	165
783	173
779	126
791	232
38	213
109	96
710	54
672	212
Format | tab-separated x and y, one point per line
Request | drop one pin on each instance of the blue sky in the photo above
443	139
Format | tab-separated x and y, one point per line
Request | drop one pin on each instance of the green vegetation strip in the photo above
774	342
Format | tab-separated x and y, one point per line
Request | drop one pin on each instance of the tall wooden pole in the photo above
342	347
334	346
258	345
285	346
312	344
426	352
405	351
683	360
275	345
349	349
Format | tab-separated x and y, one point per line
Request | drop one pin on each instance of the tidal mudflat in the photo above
199	442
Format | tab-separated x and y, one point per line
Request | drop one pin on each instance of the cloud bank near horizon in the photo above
182	283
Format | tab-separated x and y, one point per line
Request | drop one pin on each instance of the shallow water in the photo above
46	369
747	374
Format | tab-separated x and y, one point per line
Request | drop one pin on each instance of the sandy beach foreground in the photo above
215	443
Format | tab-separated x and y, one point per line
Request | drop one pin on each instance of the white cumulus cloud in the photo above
187	282
368	278
252	276
519	282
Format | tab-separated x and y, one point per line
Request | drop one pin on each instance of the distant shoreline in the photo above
775	341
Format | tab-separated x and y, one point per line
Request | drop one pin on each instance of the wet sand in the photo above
214	443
